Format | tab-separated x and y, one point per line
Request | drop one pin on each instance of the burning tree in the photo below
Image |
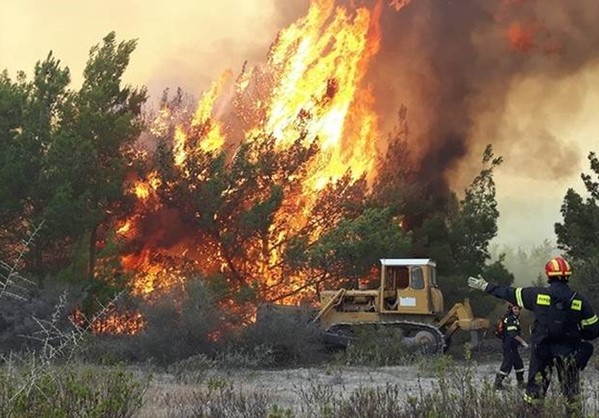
270	161
274	184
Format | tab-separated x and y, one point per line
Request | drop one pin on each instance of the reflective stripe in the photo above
519	370
576	305
556	266
512	328
589	321
544	300
519	297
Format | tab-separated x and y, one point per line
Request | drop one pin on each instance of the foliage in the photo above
578	233
20	319
70	391
30	130
191	325
476	222
240	202
65	154
376	347
353	247
219	399
527	265
467	238
90	159
287	336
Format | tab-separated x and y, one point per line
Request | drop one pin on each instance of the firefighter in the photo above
512	339
563	319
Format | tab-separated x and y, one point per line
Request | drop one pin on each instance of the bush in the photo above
178	326
69	391
286	335
376	347
219	399
188	323
19	324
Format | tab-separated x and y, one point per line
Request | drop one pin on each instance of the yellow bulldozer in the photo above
406	298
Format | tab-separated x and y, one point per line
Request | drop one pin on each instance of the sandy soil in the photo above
288	387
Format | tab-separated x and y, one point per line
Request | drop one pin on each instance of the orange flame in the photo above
522	36
316	90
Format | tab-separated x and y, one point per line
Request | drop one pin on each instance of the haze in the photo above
188	43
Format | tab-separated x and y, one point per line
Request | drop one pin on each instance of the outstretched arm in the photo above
521	296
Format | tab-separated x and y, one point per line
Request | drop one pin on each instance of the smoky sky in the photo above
520	74
454	64
181	43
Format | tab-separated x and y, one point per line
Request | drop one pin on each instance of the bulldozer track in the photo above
411	326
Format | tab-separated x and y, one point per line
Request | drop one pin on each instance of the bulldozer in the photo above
407	298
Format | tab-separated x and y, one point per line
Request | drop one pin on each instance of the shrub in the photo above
176	331
285	335
219	399
20	319
69	391
376	347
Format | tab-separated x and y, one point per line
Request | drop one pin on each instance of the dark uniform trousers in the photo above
511	358
569	359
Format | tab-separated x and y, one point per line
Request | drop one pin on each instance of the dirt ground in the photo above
288	387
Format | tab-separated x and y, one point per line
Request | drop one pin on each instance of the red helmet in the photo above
557	266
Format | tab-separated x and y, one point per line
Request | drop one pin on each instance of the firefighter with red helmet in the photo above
511	340
564	322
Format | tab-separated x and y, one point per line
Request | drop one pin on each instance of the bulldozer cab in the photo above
409	286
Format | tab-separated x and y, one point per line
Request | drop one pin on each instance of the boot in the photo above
498	381
520	379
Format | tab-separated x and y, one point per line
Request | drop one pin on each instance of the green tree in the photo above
36	120
470	225
351	249
578	233
475	224
12	102
92	155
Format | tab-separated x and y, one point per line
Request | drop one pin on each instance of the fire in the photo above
312	87
522	36
525	32
111	322
317	66
322	60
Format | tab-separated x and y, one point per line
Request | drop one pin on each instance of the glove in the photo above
477	282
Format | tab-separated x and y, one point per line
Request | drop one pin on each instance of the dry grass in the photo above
439	388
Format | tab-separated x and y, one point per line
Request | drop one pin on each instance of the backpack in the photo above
560	324
500	329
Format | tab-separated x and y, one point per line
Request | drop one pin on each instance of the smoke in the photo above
515	73
462	67
184	43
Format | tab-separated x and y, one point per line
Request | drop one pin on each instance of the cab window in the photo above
398	277
417	278
433	276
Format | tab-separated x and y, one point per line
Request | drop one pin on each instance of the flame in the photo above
314	87
525	32
522	36
321	61
112	322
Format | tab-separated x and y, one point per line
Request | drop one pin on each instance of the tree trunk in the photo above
91	267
